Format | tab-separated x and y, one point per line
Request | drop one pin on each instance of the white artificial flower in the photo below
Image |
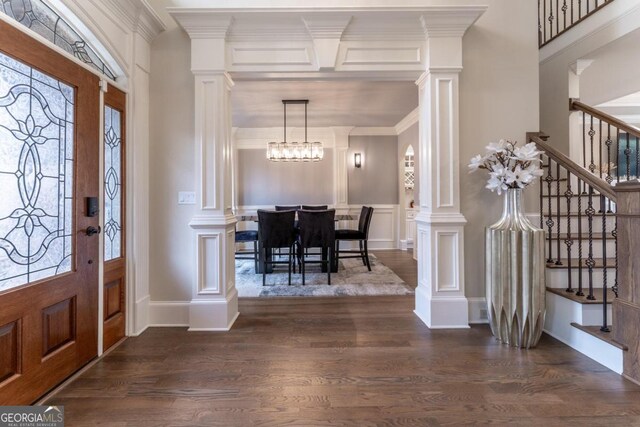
527	153
533	172
518	176
476	162
497	147
496	184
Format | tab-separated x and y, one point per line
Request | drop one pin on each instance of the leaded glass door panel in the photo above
49	124
114	217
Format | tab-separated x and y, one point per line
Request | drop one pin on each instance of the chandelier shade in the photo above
295	151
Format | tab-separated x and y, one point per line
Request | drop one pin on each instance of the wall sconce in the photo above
357	160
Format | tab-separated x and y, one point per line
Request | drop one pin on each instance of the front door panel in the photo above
49	124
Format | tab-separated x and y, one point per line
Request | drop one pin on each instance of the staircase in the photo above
581	206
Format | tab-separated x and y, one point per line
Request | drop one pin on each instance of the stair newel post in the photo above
626	308
569	240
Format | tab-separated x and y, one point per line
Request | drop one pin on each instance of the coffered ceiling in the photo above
331	103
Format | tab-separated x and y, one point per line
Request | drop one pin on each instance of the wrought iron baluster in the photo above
540	39
637	155
568	194
592	132
590	260
549	222
614	233
609	178
605	327
541	196
579	9
564	14
600	162
557	20
550	19
558	197
584	140
572	11
618	154
627	155
580	240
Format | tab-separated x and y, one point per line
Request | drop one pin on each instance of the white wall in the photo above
498	99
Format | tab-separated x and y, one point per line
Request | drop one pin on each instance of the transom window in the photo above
39	17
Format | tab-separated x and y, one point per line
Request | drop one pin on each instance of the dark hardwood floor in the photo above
356	361
402	263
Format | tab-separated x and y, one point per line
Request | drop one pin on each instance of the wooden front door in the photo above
114	217
49	156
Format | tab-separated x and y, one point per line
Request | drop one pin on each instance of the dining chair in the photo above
361	235
317	230
280	208
315	208
245	236
275	230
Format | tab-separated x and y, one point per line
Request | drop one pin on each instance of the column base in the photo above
213	314
442	312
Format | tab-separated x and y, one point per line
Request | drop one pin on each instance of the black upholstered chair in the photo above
315	208
275	230
287	208
316	230
246	236
361	235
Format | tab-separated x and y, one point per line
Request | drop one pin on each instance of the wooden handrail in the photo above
576	105
594	181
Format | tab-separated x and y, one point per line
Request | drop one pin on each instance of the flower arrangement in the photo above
509	166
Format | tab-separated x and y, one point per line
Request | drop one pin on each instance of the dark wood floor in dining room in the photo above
350	361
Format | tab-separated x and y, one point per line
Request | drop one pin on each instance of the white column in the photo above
340	167
214	303
440	298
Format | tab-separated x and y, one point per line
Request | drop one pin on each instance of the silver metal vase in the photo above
515	282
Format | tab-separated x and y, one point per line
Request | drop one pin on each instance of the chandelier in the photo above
295	151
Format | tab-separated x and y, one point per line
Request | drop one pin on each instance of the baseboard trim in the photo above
478	310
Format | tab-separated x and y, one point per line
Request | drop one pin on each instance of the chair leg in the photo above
364	262
255	255
337	260
290	249
303	269
329	265
264	268
366	254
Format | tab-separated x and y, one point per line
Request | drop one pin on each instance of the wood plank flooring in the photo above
402	263
353	361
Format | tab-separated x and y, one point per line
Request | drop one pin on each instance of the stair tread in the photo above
604	336
611	263
597	293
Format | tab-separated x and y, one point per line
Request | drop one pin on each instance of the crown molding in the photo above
408	121
373	131
138	16
373	23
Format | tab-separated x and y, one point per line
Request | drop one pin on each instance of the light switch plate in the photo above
186	198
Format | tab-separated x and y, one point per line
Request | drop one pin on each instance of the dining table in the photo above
324	254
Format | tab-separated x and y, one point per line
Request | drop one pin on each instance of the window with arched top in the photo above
42	19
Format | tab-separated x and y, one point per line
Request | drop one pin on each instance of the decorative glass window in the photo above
36	174
112	183
409	163
37	16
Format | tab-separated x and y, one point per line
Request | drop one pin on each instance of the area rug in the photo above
352	279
